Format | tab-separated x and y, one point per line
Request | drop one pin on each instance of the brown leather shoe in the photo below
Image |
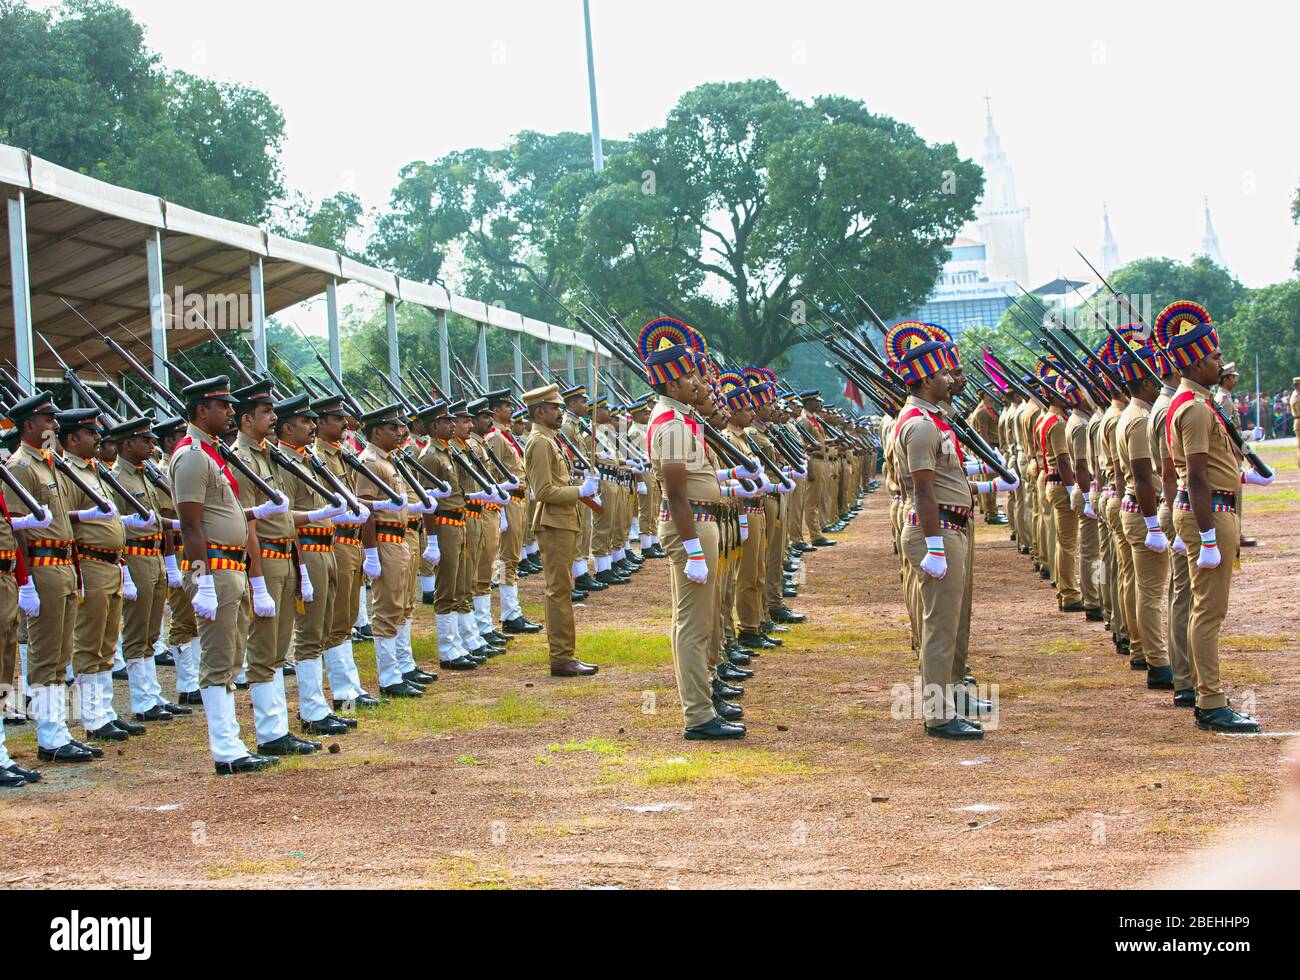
573	668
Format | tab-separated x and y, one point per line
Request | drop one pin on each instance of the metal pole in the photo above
519	360
157	311
568	353
482	356
332	325
444	354
597	153
259	312
546	363
1259	409
22	292
394	358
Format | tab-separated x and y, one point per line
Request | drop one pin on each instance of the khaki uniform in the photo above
1178	591
49	635
142	619
1113	542
750	587
1294	403
556	524
921	445
1076	439
775	513
11	693
269	637
1194	429
818	482
347	554
197	478
390	590
586	518
99	548
449	524
315	553
511	544
181	627
985	421
1150	569
480	522
673	441
1054	430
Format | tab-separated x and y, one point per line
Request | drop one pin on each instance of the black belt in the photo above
108	557
518	494
1219	498
8	565
954	517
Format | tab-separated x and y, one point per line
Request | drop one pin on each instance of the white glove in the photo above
432	553
442	494
1156	540
975	468
590	487
432	508
750	471
766	486
387	506
784	487
999	457
1257	435
1179	547
1210	556
1087	508
205	598
134	522
501	497
175	525
1002	486
1250	476
28	600
935	562
308	592
481	497
34	522
744	528
95	514
173	571
129	592
697	568
263	604
510	484
503	522
371	566
279	504
641	488
326	515
348	517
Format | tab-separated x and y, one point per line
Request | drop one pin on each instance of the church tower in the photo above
1210	242
1000	218
1109	250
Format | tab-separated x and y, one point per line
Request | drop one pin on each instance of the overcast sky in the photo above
1146	106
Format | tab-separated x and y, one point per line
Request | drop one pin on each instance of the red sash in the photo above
1045	426
213	455
943	427
509	437
1180	400
668	416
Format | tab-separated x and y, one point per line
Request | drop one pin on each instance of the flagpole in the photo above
597	152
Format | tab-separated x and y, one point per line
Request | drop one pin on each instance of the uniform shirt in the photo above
572	432
673	441
197	479
1293	402
138	486
331	454
1026	426
1196	429
984	421
379	463
921	445
1133	440
508	450
550	482
1076	437
1228	405
1057	443
758	432
1156	432
818	433
301	496
34	470
436	458
1094	449
107	535
257	457
1106	449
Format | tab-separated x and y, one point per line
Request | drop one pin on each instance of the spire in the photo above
1000	217
1210	243
1000	187
1109	250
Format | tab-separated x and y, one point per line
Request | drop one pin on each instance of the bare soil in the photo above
507	778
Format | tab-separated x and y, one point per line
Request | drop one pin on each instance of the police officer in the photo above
556	525
510	451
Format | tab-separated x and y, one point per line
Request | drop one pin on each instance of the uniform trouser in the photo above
830	488
1125	583
312	628
269	637
1089	557
962	654
812	510
896	524
388	592
939	602
142	619
585	517
605	523
1210	588
511	543
794	513
750	587
467	576
1179	608
1025	502
723	603
414	545
530	536
451	543
774	581
1110	563
1150	584
989	504
489	546
557	545
1067	546
221	641
50	635
11	691
181	627
1013	515
99	619
911	593
648	507
1046	536
693	620
347	593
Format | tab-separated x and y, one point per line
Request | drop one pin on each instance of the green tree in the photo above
1158	282
1267	325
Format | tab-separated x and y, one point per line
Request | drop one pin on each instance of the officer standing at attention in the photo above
216	531
510	451
1205	508
555	522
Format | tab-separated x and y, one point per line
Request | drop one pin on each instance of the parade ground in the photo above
507	778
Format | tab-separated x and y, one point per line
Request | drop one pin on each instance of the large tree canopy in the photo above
720	217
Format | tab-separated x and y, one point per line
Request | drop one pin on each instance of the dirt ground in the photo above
505	778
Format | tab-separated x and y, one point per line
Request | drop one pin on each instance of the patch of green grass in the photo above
1271	496
403	719
607	647
1063	645
598	746
469	760
463	874
738	765
1176	827
1255	642
246	867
